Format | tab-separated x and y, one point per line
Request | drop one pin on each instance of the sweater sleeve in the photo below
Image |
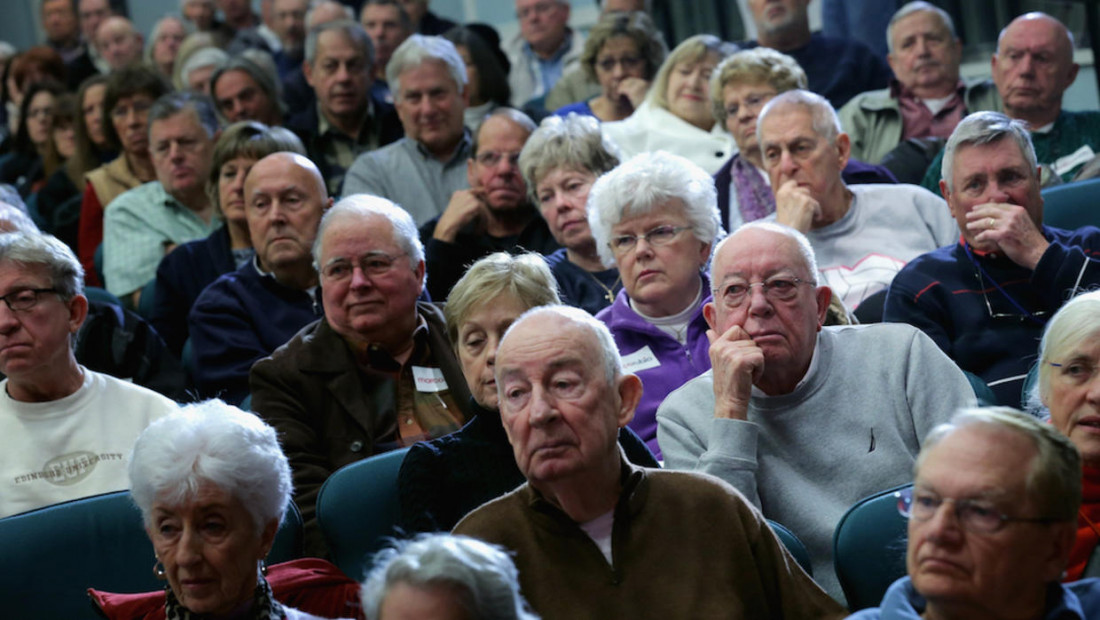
365	176
935	386
224	341
1065	270
418	489
691	438
914	301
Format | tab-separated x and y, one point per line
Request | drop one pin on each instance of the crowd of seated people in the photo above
551	266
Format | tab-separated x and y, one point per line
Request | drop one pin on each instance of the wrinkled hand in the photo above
737	363
465	206
795	207
1010	228
633	89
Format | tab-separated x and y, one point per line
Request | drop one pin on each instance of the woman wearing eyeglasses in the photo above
622	54
655	218
1069	391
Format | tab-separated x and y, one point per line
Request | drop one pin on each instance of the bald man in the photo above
245	315
118	42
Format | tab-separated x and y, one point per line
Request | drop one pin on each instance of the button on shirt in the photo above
138	227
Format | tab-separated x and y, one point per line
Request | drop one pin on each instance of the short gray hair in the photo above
1054	482
805	249
419	49
482	575
823	118
30	248
918	6
574	141
14	218
202	106
611	361
760	64
364	205
648	181
350	29
525	278
516	116
203	57
981	128
265	79
402	14
1075	322
217	443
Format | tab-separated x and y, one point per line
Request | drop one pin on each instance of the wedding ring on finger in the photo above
991	222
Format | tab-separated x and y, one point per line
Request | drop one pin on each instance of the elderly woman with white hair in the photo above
444	576
1068	390
213	485
560	162
676	115
655	218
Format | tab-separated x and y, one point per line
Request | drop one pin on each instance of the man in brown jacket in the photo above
378	372
596	537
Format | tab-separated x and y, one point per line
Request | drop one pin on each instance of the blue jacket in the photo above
672	364
240	318
1079	600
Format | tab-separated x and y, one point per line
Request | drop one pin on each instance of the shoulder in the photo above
292	356
154	404
870	101
853	337
228	286
694	399
892	192
133	200
493	519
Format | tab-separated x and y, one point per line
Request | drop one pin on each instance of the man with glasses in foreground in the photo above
803	419
495	214
992	518
377	372
985	299
67	430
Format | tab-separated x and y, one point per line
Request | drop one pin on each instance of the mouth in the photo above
940	565
648	273
1091	423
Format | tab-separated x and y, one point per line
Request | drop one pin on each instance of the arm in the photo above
366	176
691	438
170	307
131	249
1067	270
916	302
935	388
279	397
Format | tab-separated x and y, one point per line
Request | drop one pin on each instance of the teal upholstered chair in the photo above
869	548
1072	205
52	555
793	545
358	509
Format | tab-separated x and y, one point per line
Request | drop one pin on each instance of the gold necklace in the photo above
609	293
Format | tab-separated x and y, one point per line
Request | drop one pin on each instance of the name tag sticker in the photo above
429	379
642	359
1064	164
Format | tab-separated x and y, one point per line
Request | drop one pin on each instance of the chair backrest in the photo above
52	555
358	508
793	545
1072	205
869	548
982	391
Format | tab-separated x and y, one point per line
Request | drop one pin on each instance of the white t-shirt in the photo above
73	447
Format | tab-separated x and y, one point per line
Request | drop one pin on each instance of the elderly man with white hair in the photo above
424	169
67	429
378	371
590	531
862	234
803	419
992	517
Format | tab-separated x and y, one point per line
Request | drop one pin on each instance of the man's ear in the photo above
630	394
844	149
471	178
710	313
78	311
307	72
824	296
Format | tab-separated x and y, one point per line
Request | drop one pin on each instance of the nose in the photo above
543	412
746	112
997	193
343	73
1027	64
944	526
360	280
787	165
189	547
759	304
236	186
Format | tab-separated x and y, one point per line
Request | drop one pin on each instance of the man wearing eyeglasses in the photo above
248	313
377	372
992	519
985	298
143	224
495	214
66	429
803	419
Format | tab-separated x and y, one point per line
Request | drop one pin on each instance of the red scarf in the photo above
1087	535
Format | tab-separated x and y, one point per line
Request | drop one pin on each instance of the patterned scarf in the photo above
264	606
754	196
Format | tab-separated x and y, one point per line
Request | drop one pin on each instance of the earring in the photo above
158	569
263	568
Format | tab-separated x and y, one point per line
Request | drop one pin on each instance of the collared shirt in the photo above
339	150
550	69
311	291
408	174
919	121
138	228
424	405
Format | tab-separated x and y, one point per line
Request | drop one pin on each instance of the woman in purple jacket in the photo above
655	217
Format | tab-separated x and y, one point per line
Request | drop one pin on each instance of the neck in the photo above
445	153
48	385
397	339
1015	609
239	236
350	125
779	381
669	307
752	155
938	90
585	257
297	274
585	495
607	109
836	206
547	51
509	222
1035	118
790	38
141	166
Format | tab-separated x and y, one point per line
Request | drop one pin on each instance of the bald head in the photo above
285	197
327	11
118	42
1033	66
